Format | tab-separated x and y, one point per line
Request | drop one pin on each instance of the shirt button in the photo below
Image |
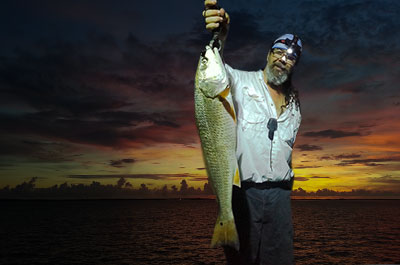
272	105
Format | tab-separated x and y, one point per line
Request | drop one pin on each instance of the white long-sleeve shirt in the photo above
259	158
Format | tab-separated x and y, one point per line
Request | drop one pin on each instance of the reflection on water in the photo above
179	232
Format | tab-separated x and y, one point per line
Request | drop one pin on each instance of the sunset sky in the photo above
96	90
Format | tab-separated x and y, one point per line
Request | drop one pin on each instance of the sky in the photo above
96	90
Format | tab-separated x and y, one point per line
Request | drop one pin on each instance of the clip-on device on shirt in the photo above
272	126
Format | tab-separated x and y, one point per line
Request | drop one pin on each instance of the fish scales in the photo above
216	124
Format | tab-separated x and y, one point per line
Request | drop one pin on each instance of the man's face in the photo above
279	66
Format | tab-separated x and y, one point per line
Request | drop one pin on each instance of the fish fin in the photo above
236	178
228	106
225	92
225	234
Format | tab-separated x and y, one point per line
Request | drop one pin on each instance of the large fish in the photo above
216	124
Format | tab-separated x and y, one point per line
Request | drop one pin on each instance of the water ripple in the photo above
179	232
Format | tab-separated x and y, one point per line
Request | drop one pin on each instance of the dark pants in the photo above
264	222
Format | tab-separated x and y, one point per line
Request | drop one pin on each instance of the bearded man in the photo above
268	119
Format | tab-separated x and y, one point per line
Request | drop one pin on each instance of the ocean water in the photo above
179	232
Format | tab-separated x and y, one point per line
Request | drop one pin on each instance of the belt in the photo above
284	184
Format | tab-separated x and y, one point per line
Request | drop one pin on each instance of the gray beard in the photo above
276	79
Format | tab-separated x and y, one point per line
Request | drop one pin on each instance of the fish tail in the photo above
225	234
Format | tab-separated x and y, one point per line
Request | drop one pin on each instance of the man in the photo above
268	118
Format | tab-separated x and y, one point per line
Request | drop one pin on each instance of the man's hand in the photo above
215	18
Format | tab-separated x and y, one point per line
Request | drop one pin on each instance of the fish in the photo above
216	124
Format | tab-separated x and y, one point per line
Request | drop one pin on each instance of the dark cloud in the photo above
247	45
308	178
368	162
339	157
325	158
309	147
122	162
104	98
137	176
366	125
199	179
118	176
330	134
113	77
301	179
7	165
37	150
88	131
302	167
347	156
388	179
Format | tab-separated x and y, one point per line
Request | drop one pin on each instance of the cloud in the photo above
368	162
38	150
122	162
138	176
7	165
346	156
387	179
325	158
109	88
199	178
302	167
339	157
308	178
330	134
301	179
309	147
111	94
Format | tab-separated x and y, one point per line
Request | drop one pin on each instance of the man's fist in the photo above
215	17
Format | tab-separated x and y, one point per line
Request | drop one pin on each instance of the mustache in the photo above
281	66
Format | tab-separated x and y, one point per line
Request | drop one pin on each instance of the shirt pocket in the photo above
253	115
286	142
286	135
